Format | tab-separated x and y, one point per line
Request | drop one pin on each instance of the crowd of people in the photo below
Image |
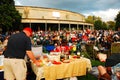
18	44
44	38
101	38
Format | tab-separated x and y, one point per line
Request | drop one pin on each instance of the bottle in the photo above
62	56
78	54
66	55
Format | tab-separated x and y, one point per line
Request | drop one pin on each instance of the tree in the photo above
117	19
104	26
98	24
111	25
89	19
92	19
10	18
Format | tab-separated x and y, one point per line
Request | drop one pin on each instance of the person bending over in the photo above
18	46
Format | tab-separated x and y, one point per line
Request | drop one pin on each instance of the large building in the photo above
40	18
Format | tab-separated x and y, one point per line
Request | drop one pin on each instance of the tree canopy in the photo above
111	25
92	19
10	18
117	19
99	24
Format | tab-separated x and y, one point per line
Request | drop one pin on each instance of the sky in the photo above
106	9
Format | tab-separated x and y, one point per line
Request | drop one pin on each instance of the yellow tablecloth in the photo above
77	67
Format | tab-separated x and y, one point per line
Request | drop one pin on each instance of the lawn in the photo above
87	77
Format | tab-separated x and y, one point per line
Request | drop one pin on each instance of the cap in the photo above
28	29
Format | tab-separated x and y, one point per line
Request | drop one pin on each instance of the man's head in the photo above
28	31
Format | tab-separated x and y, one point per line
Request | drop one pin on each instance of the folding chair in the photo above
90	50
115	47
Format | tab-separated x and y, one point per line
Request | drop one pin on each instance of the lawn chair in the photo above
115	47
90	50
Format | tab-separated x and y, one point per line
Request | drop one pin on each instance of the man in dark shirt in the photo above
18	46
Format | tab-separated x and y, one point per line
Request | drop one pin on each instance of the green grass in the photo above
87	77
96	63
